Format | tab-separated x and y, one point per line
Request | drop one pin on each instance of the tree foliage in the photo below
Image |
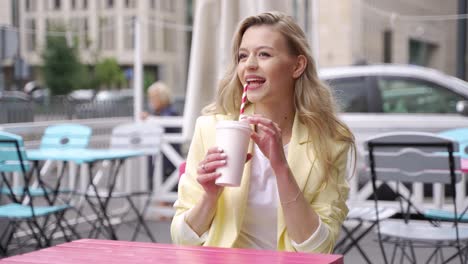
62	70
148	79
107	73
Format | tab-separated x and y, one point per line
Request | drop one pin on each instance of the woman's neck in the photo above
282	114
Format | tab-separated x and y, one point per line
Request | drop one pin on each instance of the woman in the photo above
293	191
159	101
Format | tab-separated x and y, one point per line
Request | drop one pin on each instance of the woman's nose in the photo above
252	62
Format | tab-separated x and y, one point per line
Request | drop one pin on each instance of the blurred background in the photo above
392	65
69	59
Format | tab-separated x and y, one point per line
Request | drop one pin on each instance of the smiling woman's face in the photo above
266	65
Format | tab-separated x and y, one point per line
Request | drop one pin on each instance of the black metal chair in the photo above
405	158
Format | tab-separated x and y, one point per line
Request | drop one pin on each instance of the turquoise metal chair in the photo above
21	211
66	136
61	136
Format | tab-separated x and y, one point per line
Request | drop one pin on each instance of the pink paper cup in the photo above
233	137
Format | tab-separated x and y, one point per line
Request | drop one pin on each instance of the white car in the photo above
383	98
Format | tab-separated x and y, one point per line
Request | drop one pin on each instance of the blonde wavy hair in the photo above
313	99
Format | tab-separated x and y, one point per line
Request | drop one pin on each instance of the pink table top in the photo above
110	251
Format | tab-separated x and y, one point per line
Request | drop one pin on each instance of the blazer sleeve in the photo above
330	201
189	190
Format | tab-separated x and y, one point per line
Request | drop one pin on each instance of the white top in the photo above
259	228
262	206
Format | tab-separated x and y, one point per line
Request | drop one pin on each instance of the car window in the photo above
416	96
350	93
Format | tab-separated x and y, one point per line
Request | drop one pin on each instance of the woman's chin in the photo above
253	98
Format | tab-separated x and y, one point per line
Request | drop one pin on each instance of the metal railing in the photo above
360	191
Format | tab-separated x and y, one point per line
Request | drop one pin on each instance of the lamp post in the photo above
461	41
137	73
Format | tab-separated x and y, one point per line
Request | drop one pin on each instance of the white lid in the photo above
233	124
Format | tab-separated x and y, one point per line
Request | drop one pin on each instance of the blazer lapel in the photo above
298	160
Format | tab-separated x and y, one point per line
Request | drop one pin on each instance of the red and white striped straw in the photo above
244	102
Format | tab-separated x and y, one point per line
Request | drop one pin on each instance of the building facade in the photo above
105	28
348	32
380	31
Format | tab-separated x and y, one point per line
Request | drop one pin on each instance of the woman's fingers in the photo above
266	129
210	177
209	167
258	120
214	157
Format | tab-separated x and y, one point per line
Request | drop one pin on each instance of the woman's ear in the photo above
301	63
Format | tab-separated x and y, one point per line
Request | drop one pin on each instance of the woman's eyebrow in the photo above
257	48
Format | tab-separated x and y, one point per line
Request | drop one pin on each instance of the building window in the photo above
168	37
387	46
73	4
109	3
154	35
31	35
79	25
86	39
85	4
129	34
30	5
421	53
168	6
153	4
130	3
56	24
106	33
57	4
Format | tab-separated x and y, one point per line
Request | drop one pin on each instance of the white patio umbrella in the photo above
214	24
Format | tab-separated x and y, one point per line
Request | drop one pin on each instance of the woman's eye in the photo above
242	56
264	54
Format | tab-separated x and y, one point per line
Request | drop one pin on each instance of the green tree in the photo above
62	70
148	79
107	73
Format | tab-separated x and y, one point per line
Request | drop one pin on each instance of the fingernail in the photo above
223	155
223	162
220	150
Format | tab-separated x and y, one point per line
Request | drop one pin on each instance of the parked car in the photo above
15	107
107	103
384	98
111	103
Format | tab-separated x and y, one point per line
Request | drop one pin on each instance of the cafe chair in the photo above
62	136
405	158
145	137
359	222
66	136
22	213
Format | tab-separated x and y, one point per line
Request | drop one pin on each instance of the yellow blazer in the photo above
326	198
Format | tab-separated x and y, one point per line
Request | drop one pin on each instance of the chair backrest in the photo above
12	153
66	136
145	136
413	157
460	135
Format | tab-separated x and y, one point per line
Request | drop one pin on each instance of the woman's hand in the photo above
215	158
268	138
